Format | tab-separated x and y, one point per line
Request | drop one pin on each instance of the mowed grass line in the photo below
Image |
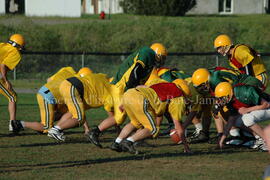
35	156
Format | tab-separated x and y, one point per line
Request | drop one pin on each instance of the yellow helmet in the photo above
200	76
159	49
84	71
222	40
183	85
161	53
17	40
224	89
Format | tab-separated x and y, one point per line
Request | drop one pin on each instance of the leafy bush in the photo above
157	7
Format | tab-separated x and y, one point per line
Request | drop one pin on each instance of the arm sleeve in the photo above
12	60
136	75
243	55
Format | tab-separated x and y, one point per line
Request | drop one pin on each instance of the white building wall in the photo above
68	8
249	7
2	7
205	7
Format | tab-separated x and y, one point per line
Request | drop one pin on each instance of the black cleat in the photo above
201	138
92	136
128	146
116	147
16	126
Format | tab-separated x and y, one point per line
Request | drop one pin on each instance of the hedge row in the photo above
125	33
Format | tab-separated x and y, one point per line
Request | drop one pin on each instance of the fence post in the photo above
14	74
217	61
82	59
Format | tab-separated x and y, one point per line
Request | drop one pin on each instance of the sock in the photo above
198	126
23	124
234	132
118	140
57	127
219	134
130	139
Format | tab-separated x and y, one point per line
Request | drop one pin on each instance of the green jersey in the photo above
172	75
233	78
145	56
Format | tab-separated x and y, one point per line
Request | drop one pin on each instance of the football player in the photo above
145	107
247	106
49	101
242	58
10	56
134	71
80	94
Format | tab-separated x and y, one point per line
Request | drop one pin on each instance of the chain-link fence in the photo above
41	65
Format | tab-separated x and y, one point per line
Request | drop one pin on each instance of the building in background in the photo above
230	7
65	8
74	8
97	6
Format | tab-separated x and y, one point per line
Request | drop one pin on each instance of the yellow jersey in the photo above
161	99
57	78
9	56
97	91
242	55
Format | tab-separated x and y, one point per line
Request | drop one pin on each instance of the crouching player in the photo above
49	102
145	107
247	106
80	94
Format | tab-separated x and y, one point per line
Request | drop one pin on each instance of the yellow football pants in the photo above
73	101
9	94
139	111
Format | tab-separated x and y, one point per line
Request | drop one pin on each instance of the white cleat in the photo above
56	134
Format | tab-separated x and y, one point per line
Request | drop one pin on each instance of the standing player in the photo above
49	101
134	71
242	57
10	56
145	107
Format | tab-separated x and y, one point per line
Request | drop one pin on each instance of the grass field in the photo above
35	156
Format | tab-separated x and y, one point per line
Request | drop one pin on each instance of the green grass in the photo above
35	156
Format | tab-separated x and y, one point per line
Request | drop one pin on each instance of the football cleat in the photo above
201	138
257	143
92	136
16	126
116	147
56	134
234	142
128	146
263	148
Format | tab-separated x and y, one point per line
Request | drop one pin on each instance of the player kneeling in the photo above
145	107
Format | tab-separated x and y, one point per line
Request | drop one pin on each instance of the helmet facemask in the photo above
160	60
223	50
203	88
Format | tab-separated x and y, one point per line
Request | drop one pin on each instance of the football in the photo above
175	137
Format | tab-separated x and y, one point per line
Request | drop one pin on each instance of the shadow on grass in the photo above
68	164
